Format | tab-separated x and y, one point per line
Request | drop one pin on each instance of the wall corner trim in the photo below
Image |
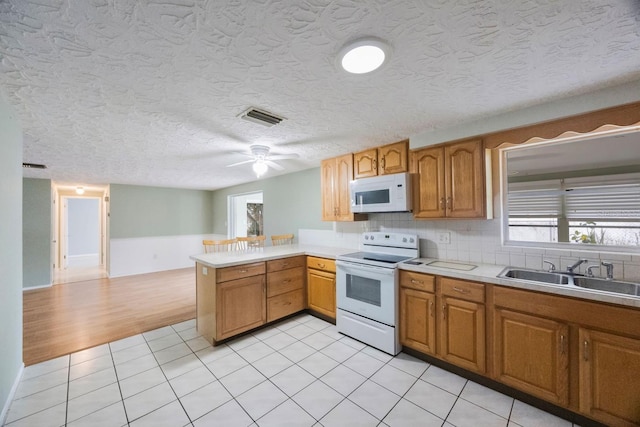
12	393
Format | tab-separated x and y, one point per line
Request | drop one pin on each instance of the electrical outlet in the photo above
444	237
205	271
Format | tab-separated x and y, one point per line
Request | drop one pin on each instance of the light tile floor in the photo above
299	372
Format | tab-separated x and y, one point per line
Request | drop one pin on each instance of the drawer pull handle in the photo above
321	265
431	309
562	345
284	264
417	282
444	311
286	281
461	290
244	271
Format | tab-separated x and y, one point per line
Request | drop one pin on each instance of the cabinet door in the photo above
240	305
429	196
393	158
321	292
531	354
462	334
464	180
609	372
417	320
327	185
344	175
365	163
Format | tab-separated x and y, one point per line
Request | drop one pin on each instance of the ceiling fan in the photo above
262	160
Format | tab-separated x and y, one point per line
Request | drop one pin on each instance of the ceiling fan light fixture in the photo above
364	55
260	167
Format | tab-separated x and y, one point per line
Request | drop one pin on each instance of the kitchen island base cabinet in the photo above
241	306
609	372
531	354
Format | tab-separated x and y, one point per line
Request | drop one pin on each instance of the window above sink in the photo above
578	192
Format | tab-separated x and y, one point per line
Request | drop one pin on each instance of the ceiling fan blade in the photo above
284	156
274	165
240	163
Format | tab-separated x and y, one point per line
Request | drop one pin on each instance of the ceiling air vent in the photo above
261	117
33	166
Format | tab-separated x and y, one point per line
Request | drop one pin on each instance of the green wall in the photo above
138	211
291	201
36	232
10	250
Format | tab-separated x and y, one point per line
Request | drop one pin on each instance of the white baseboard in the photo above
31	288
151	254
12	393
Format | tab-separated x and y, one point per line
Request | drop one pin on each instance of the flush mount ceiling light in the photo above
80	190
363	55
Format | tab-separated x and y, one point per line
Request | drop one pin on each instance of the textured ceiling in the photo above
148	92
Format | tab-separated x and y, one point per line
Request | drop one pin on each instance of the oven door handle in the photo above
352	266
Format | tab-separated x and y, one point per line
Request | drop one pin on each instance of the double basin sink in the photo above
559	278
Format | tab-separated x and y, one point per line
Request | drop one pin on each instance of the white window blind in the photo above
601	197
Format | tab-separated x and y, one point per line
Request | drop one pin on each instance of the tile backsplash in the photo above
471	241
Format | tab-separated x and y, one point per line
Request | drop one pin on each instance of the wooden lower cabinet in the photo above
241	305
531	354
609	377
462	334
321	286
285	287
417	320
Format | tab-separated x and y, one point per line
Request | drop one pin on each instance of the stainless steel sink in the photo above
607	285
559	278
536	276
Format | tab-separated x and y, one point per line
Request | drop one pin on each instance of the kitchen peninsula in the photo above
242	290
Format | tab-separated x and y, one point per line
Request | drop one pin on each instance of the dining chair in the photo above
281	239
225	245
252	242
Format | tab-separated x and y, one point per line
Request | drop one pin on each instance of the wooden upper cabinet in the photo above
464	179
385	160
336	173
428	189
392	158
365	163
450	181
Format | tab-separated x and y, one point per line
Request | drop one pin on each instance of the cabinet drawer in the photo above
321	264
284	304
461	289
239	271
284	263
419	281
283	281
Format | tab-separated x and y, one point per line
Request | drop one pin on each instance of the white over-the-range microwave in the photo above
385	193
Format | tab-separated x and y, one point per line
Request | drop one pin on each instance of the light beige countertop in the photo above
229	259
486	273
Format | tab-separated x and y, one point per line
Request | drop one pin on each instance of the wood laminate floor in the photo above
66	318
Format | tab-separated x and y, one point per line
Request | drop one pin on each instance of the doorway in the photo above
80	217
245	215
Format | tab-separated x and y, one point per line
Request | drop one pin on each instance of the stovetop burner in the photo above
384	249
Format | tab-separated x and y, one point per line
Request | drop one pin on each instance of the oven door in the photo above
366	290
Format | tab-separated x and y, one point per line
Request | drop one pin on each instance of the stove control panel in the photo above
398	240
